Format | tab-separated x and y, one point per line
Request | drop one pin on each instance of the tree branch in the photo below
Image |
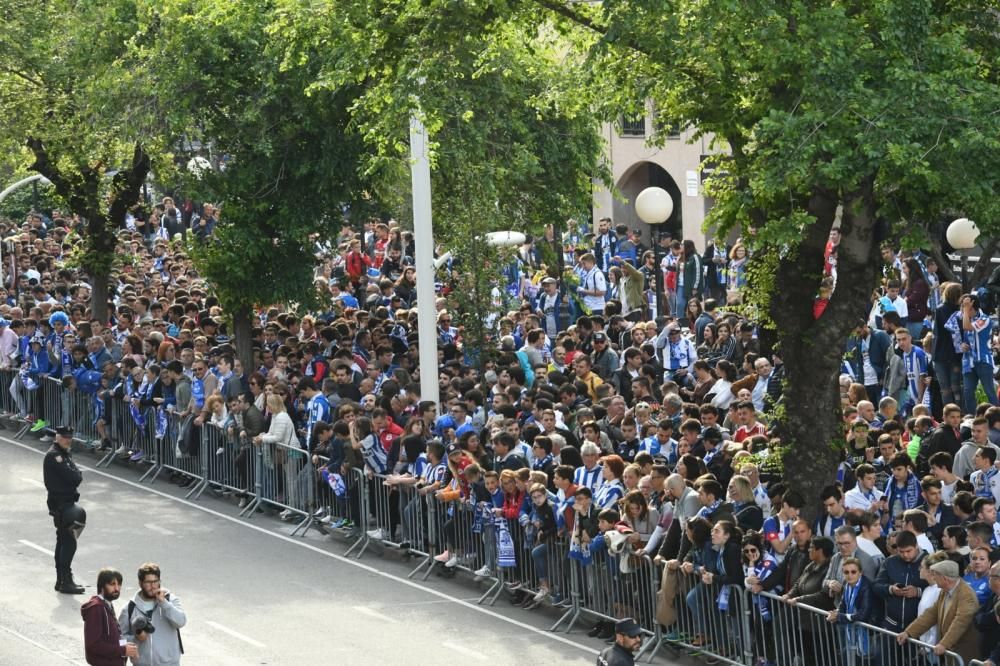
566	11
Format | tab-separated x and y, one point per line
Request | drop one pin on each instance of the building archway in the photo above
637	178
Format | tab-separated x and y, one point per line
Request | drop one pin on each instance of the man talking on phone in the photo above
153	620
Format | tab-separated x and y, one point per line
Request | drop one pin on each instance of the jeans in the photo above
539	556
949	376
981	373
694	602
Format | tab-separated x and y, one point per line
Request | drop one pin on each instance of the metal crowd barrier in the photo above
612	587
397	515
802	631
285	479
181	453
7	405
729	624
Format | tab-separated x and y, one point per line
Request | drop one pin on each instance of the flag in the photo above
505	545
161	423
137	416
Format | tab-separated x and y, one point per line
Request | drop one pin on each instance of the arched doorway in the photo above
637	178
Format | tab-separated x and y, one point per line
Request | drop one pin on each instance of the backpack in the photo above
131	609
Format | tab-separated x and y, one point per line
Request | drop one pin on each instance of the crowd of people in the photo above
598	412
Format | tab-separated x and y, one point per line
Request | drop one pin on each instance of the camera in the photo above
141	623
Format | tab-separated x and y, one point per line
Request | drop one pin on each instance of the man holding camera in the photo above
152	620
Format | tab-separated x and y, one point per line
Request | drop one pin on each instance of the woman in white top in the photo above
282	431
930	593
721	393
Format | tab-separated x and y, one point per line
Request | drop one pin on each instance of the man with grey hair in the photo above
847	548
887	410
953	614
591	473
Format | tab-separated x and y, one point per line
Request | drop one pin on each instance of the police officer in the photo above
628	638
62	477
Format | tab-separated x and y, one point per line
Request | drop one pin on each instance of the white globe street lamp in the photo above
962	235
654	206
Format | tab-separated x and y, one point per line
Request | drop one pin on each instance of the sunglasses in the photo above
750	551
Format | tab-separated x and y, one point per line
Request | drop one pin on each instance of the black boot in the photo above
70	586
59	581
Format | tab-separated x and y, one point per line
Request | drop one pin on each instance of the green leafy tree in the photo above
866	113
81	112
514	137
290	156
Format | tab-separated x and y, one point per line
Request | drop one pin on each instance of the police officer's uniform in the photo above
62	478
616	655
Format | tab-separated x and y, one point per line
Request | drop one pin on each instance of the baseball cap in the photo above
600	337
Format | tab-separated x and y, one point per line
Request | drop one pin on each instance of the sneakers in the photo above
120	450
452	562
39	424
286	514
46	438
319	513
219	451
443	557
376	534
137	456
244	501
483	572
541	595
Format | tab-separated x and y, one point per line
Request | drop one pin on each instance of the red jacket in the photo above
101	635
388	434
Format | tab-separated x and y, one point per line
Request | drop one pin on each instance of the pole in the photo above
4	194
965	270
34	196
658	275
423	237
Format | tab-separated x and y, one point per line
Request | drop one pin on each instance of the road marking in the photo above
464	650
35	482
40	646
371	612
333	556
159	530
40	549
235	634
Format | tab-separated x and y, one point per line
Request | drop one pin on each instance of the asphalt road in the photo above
253	594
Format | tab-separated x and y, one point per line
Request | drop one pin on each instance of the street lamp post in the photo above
962	235
33	180
654	206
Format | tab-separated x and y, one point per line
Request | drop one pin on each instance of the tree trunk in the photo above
243	333
99	298
810	418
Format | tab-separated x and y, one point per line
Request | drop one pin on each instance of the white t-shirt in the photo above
594	280
856	499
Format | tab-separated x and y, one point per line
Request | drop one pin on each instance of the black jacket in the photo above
788	571
899	611
62	478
